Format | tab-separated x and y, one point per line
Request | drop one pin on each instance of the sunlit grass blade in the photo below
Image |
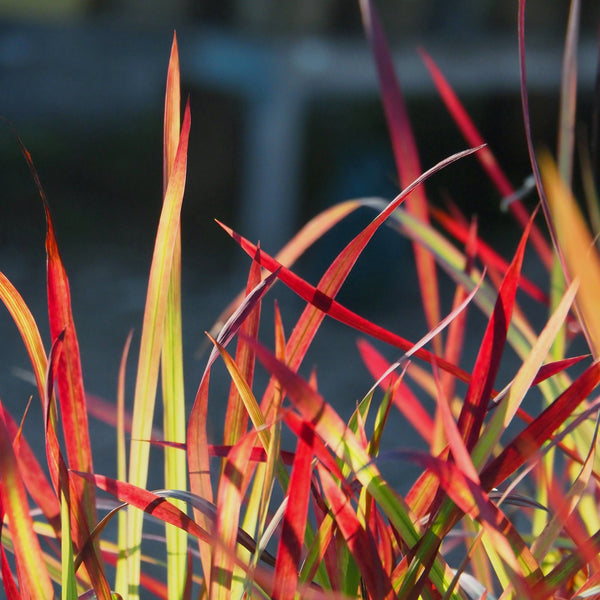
173	390
34	477
407	159
32	574
486	157
28	329
120	427
525	378
151	344
582	259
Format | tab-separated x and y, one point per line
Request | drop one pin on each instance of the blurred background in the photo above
286	121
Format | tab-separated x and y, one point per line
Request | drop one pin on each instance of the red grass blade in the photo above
149	502
553	368
335	310
407	158
488	359
290	548
486	157
516	453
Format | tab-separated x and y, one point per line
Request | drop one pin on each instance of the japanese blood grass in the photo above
338	528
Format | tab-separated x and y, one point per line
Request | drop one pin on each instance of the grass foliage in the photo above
497	511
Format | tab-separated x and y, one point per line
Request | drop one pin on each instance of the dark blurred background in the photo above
286	121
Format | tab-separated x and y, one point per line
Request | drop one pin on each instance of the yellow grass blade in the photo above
173	392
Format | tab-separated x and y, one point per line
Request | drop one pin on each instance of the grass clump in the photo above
496	511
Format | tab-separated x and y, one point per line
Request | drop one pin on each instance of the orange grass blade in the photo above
407	159
34	478
486	157
34	581
151	342
581	256
290	548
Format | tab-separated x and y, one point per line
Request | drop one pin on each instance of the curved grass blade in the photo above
406	402
28	329
335	310
236	417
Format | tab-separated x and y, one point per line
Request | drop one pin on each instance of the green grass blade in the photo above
151	346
